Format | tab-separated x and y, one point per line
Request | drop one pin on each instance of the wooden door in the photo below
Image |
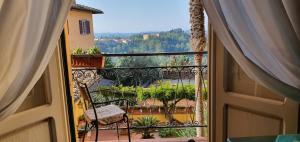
240	107
43	116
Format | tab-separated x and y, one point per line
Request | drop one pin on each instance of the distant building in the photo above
80	26
146	36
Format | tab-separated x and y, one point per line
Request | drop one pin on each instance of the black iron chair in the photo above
104	113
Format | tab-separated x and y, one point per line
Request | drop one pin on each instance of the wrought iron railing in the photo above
144	77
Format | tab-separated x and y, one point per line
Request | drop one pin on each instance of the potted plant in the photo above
81	119
91	58
147	133
81	130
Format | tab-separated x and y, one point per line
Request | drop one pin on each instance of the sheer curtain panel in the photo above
263	37
29	32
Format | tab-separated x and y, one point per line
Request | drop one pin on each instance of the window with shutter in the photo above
81	26
88	27
84	27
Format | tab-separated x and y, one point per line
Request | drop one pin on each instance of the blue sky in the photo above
125	16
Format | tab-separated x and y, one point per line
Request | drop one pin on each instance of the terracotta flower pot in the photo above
87	61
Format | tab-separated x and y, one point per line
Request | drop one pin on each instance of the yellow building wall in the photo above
162	118
77	106
76	39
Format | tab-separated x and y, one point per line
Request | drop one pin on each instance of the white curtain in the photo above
29	32
263	37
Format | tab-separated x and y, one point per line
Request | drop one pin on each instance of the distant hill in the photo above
113	35
176	40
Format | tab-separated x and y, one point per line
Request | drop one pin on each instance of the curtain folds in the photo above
263	37
29	31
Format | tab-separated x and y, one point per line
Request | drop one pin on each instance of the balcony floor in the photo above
111	136
156	140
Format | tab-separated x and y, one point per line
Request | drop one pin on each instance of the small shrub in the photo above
168	133
187	132
94	50
146	121
77	51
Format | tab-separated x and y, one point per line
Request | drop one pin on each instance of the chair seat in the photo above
106	114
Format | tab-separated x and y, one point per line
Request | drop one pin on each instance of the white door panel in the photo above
240	106
42	117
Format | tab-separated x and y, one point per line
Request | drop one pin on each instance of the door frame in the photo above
212	82
69	100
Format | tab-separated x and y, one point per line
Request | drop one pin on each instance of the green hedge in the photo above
176	132
164	91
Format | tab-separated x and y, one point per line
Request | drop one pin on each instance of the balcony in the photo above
164	92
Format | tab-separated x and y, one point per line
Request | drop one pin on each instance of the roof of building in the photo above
86	8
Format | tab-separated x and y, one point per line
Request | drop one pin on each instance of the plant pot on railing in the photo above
89	59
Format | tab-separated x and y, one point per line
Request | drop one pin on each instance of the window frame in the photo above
84	27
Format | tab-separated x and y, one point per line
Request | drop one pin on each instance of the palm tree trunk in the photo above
198	44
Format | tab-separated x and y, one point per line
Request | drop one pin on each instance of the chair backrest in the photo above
84	92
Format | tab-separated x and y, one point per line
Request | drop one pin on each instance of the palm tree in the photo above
198	44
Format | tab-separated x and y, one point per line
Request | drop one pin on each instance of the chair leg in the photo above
97	130
118	131
128	128
85	127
